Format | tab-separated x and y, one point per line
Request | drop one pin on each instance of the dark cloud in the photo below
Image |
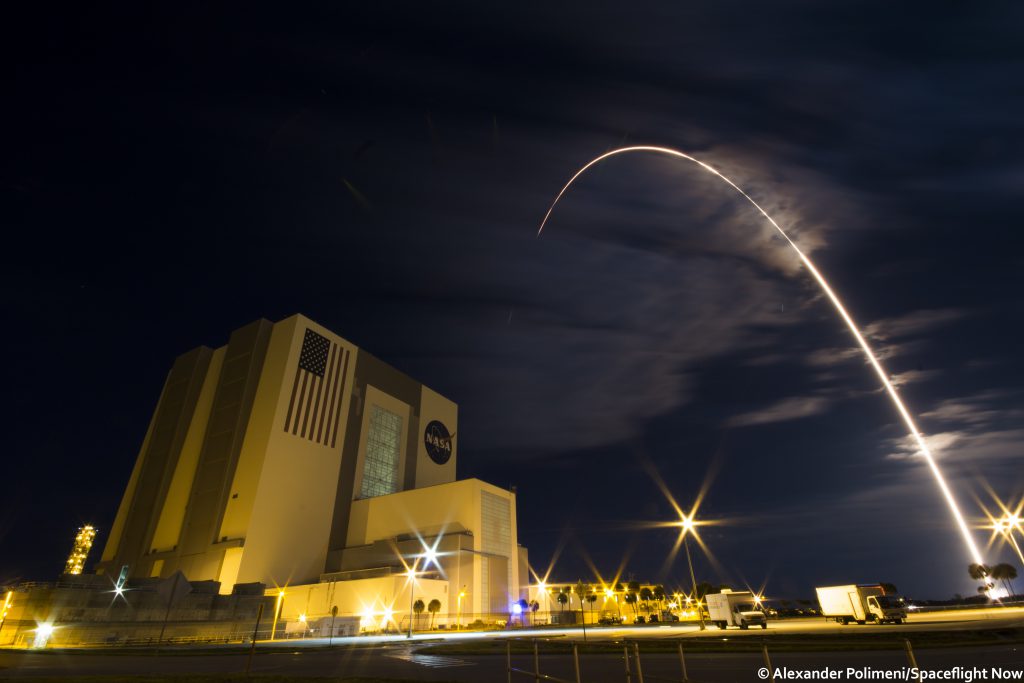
170	174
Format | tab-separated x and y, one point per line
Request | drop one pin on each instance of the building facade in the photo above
291	457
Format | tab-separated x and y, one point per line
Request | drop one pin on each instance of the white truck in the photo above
735	608
861	603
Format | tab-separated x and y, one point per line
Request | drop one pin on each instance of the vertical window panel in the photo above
383	452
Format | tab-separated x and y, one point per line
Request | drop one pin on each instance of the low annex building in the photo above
292	458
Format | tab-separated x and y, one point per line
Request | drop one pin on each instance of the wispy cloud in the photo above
891	337
964	446
912	376
822	358
792	408
912	324
979	427
977	410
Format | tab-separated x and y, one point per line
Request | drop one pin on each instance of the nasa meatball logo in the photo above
438	442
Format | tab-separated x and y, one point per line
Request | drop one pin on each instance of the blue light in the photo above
516	608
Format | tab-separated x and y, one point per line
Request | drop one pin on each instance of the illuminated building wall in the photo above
257	450
472	526
80	550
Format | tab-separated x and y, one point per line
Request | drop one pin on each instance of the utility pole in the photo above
693	580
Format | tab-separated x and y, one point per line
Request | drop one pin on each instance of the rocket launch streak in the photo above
908	420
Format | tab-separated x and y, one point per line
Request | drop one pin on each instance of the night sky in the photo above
170	175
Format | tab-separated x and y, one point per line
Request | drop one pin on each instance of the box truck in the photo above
861	603
735	608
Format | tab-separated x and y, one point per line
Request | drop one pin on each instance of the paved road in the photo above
394	656
951	620
401	661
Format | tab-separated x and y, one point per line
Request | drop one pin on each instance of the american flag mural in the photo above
314	410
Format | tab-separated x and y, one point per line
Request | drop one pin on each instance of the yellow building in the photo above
291	457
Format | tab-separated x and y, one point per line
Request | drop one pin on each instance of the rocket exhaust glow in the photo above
908	420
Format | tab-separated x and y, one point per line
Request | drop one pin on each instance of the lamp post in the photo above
687	525
610	594
412	588
277	614
542	589
458	610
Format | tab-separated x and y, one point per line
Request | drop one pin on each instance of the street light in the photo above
542	588
609	594
1006	525
277	613
429	555
687	525
412	587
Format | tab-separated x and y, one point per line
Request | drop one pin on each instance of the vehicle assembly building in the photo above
292	458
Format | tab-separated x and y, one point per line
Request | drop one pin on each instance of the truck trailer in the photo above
735	608
861	603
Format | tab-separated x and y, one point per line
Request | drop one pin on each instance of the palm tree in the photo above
978	571
996	574
581	593
659	595
534	606
417	608
591	598
562	599
981	572
645	597
633	589
524	608
1004	572
1011	574
434	607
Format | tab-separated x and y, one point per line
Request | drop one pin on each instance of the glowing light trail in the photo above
908	420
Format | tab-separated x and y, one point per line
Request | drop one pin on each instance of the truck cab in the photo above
738	608
747	613
883	608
